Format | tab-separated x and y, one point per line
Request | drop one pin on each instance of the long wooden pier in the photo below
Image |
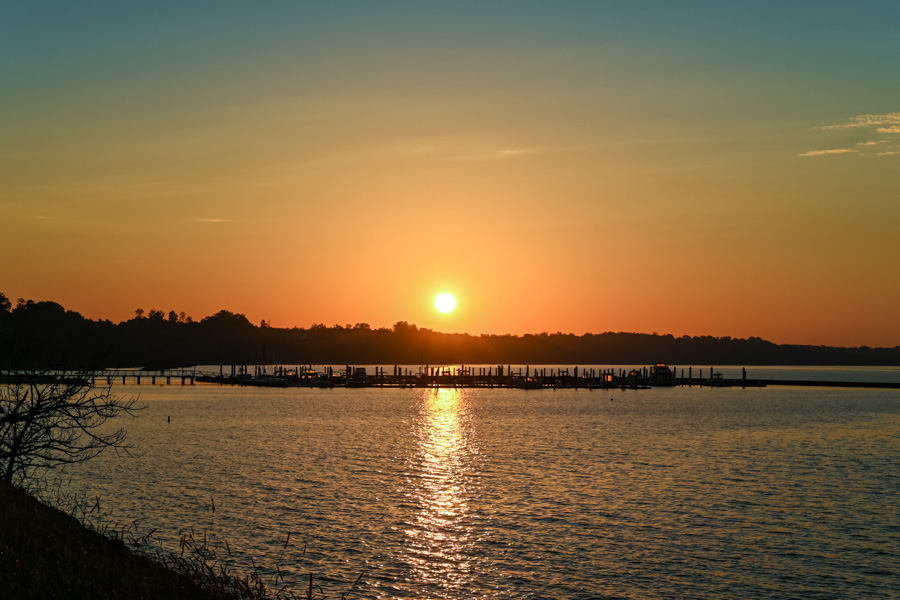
527	378
505	377
427	377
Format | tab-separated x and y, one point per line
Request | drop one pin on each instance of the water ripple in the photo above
457	494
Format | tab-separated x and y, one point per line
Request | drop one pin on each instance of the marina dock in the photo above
501	376
659	375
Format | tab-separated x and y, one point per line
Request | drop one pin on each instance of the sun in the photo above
445	302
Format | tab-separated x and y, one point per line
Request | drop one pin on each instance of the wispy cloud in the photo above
889	153
456	154
827	152
868	121
870	126
504	153
211	220
486	156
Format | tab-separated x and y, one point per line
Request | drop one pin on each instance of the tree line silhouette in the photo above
44	335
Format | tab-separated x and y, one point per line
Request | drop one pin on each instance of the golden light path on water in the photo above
442	481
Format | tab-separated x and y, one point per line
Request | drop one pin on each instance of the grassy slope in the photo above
47	554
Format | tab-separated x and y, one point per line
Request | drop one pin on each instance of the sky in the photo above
685	168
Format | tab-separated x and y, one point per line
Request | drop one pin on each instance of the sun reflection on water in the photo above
442	480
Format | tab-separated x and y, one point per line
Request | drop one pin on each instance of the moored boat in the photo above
717	380
661	375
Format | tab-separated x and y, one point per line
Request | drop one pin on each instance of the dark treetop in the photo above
46	335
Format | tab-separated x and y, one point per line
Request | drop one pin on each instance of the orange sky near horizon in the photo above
580	167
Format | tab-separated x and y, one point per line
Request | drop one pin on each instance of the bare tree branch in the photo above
53	418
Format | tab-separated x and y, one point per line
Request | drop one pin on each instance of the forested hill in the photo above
46	335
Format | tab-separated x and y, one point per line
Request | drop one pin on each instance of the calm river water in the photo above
663	493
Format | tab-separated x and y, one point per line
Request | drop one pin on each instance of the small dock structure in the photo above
144	376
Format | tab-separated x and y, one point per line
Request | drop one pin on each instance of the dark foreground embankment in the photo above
46	554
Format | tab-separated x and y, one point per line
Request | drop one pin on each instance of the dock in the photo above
430	377
528	378
501	376
101	377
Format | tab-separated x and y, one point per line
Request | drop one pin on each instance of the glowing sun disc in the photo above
445	302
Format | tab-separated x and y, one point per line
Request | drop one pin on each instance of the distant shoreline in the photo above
41	334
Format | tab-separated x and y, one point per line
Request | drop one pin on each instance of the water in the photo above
682	492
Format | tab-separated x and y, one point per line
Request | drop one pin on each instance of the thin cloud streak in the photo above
828	152
888	123
488	156
868	121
